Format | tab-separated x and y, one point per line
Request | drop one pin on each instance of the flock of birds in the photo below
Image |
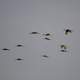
63	47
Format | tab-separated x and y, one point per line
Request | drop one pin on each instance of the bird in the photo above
47	38
47	34
63	46
19	59
6	49
34	33
19	45
46	56
67	31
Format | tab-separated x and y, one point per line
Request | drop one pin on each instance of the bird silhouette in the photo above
47	34
34	33
67	31
5	49
63	46
47	38
46	56
19	59
19	45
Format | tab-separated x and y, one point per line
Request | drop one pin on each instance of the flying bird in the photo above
67	31
34	33
47	34
47	38
19	45
19	59
6	49
63	46
46	56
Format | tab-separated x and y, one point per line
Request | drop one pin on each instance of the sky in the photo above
20	17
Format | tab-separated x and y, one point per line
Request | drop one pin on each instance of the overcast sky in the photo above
20	17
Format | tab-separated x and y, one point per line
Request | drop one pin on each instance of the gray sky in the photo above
20	17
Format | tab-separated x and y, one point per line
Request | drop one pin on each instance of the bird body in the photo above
47	34
19	59
67	31
47	38
63	46
45	56
19	45
6	49
34	33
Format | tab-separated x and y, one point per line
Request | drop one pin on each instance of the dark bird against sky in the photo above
6	49
47	38
46	56
67	31
63	46
19	45
19	59
47	34
34	33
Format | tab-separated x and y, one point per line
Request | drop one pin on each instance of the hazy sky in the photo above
20	17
